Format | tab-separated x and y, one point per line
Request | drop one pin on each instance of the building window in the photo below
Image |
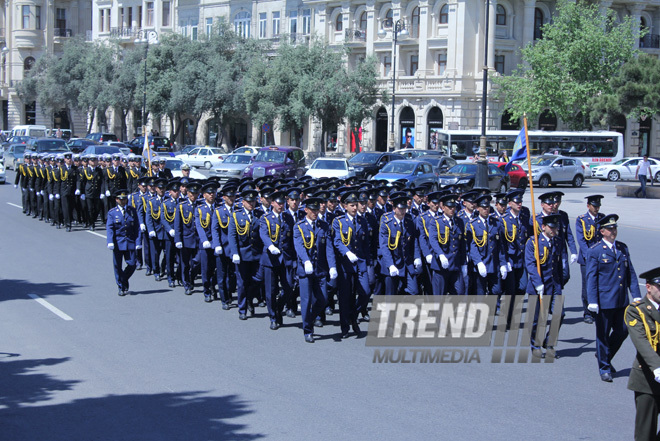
500	16
442	63
262	24
166	14
363	21
339	23
209	26
307	21
293	22
387	65
414	23
101	19
276	23
242	24
184	28
25	10
193	29
499	64
139	17
387	23
414	64
37	17
28	63
130	17
31	113
444	14
108	19
538	23
150	14
60	21
121	23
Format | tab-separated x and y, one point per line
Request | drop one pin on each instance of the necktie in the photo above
249	215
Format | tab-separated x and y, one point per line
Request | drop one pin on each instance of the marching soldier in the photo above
91	181
54	198
223	263
156	232
185	236
291	215
68	179
587	236
167	221
22	180
203	215
122	234
566	240
449	250
515	230
115	177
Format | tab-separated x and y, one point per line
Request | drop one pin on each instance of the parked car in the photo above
552	169
249	149
51	145
624	169
101	149
516	173
416	153
77	145
367	164
16	140
125	149
414	172
102	137
440	163
464	175
283	161
156	144
175	164
233	166
207	157
338	168
13	156
186	149
3	176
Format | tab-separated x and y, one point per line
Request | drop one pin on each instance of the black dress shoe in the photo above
242	317
589	320
251	310
365	317
356	327
225	306
606	376
208	298
157	277
309	338
290	313
274	326
329	311
171	285
59	226
344	335
262	304
138	268
149	273
318	323
189	291
93	228
121	292
68	229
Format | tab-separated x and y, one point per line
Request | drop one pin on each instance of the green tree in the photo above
124	96
581	50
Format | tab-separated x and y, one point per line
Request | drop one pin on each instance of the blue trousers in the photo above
187	266
487	285
156	248
170	259
353	295
448	282
394	284
123	274
245	285
548	296
273	278
208	268
585	302
313	298
223	267
611	332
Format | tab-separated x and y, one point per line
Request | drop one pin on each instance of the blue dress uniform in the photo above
123	232
587	235
169	208
485	247
515	231
223	263
289	253
315	251
186	239
446	238
244	246
156	232
426	218
610	275
351	241
549	281
203	215
142	207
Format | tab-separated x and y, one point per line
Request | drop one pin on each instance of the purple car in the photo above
283	162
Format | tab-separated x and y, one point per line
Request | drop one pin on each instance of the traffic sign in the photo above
265	127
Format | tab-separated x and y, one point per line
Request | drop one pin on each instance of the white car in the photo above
330	168
248	149
175	164
232	167
624	169
207	157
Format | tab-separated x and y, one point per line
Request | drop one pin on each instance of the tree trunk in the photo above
91	120
69	116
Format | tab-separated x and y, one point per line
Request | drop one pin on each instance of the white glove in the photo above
637	299
107	193
482	269
57	196
171	232
236	258
503	272
445	262
371	275
509	268
417	263
206	244
464	269
15	186
656	373
429	259
394	271
138	247
102	196
309	269
77	193
152	234
179	245
593	307
42	193
352	257
274	250
143	227
573	258
82	197
333	273
111	246
539	290
218	251
50	197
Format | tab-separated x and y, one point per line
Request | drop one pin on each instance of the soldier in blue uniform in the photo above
169	206
142	201
351	242
363	200
401	259
203	215
155	230
610	276
223	263
291	215
449	250
316	263
424	223
185	236
245	251
566	240
587	236
382	205
515	232
547	284
486	249
501	205
123	232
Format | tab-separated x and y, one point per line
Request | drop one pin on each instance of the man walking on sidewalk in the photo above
643	170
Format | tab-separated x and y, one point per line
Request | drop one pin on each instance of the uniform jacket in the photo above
123	230
273	231
154	217
184	225
587	234
351	236
515	234
68	179
448	240
491	252
550	260
114	179
398	245
203	217
220	230
610	276
314	245
638	316
91	181
246	242
169	215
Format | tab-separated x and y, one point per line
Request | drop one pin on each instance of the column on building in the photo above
371	24
636	14
424	17
455	38
492	25
528	22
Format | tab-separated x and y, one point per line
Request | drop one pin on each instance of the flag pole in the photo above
531	190
146	148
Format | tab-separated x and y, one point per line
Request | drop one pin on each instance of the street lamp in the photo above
398	28
145	33
481	178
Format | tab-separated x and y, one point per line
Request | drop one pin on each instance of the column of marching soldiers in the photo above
329	242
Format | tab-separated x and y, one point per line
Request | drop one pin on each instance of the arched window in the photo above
538	23
28	63
339	24
388	21
363	21
500	16
414	23
242	24
444	14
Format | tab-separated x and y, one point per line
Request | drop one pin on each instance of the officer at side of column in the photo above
68	178
104	161
115	177
447	241
424	223
32	173
244	246
587	236
643	321
223	263
22	180
363	201
291	215
134	200
515	230
610	276
142	207
39	185
185	236
79	161
486	248
155	230
316	262
56	195
566	239
167	221
203	215
122	236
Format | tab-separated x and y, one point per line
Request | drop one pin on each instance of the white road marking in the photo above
14	205
97	234
50	307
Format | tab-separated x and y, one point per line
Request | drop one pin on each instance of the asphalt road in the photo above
159	365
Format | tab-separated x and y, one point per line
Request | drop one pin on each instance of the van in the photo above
29	130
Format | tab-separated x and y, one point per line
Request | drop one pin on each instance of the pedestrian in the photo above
122	236
610	275
643	322
643	169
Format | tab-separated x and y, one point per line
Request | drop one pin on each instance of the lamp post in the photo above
481	178
145	33
398	28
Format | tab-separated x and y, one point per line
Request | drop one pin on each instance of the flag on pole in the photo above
146	152
519	149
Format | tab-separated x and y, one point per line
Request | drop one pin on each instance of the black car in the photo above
464	176
368	164
51	145
102	137
77	145
441	163
158	144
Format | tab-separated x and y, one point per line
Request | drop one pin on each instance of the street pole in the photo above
145	39
481	178
398	27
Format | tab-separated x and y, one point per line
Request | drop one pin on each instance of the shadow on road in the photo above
13	289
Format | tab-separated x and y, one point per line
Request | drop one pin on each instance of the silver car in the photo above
13	155
552	169
233	166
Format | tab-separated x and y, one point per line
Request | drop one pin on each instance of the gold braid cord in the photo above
512	237
480	243
242	231
307	244
392	246
110	175
590	234
272	236
204	222
168	218
154	216
652	338
66	175
442	240
223	226
183	217
345	239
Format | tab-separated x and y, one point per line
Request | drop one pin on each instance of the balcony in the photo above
299	38
650	41
59	32
123	33
355	36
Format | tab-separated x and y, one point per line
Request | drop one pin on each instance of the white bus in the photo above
593	148
29	130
